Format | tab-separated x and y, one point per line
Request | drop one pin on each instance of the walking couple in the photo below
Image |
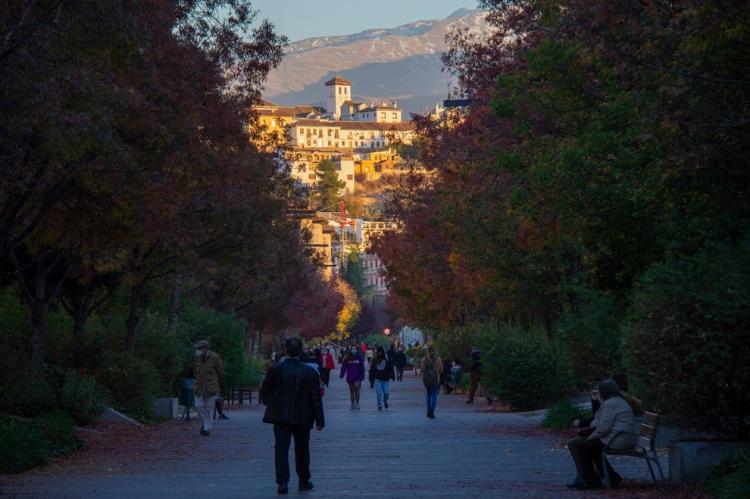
381	374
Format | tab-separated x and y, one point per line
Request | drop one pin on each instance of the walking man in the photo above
432	367
400	362
291	392
475	368
208	371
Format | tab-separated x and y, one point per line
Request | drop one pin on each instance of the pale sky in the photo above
299	19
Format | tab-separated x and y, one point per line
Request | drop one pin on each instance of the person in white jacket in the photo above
613	417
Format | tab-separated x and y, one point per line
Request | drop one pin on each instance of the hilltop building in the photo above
357	136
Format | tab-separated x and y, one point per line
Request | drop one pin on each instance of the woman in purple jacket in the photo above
353	368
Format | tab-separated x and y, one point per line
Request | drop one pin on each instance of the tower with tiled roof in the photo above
340	91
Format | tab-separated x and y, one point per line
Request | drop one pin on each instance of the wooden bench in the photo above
239	394
645	448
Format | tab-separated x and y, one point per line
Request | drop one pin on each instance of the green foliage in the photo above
561	415
688	346
255	368
26	444
58	427
354	272
328	188
522	367
82	397
730	479
132	383
457	342
591	337
22	446
27	397
226	334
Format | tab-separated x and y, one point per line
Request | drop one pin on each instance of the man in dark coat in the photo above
291	392
475	368
400	362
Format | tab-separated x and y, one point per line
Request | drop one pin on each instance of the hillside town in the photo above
362	139
448	249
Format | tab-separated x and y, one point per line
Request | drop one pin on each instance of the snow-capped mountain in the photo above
401	63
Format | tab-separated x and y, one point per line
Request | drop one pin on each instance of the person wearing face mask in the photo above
208	371
381	373
353	368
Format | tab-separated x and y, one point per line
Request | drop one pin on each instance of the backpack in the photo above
429	376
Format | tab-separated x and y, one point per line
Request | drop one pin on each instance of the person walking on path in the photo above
328	366
208	371
353	368
432	367
400	362
381	373
475	370
291	393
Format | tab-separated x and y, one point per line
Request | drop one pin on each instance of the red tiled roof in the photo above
357	125
338	81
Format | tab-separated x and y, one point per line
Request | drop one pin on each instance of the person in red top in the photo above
327	364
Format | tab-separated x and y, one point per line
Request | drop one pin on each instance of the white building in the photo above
339	91
382	113
306	133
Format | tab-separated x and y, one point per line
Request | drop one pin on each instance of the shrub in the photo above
226	333
522	367
688	346
58	428
457	342
255	368
730	478
132	384
591	337
561	415
29	397
82	397
22	446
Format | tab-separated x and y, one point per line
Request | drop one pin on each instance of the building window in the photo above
311	176
329	143
350	177
346	90
339	90
329	132
394	116
382	116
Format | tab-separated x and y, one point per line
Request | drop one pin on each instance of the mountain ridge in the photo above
381	63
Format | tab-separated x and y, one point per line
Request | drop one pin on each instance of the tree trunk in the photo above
136	293
174	306
38	310
80	315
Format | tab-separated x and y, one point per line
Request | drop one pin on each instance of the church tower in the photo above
340	91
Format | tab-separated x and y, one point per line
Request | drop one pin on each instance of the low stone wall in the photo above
690	462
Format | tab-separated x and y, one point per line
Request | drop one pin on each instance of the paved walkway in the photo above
466	452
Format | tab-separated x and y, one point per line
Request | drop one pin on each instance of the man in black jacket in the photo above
476	374
291	392
400	363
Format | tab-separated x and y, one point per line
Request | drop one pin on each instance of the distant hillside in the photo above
401	64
